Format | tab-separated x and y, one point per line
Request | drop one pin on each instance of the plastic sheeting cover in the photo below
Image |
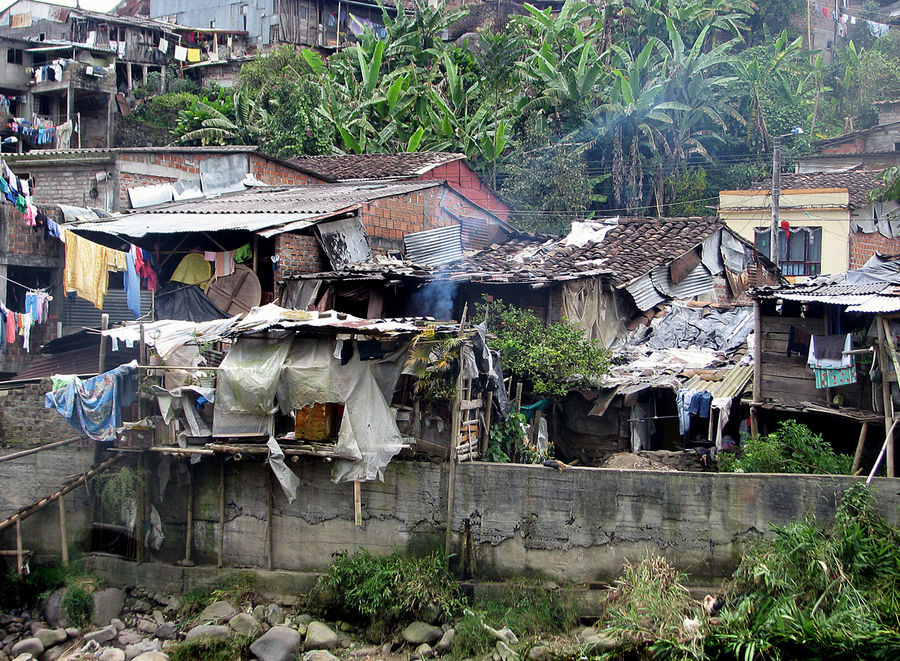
185	303
684	327
286	477
249	374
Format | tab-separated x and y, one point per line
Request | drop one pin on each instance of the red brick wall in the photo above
461	178
855	146
394	217
273	173
863	246
298	254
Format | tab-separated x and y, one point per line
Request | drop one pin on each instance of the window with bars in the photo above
799	249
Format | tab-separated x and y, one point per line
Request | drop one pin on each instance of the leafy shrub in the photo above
509	443
18	592
194	601
391	588
554	359
163	110
77	604
812	593
793	448
234	648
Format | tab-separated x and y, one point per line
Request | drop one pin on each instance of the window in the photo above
799	249
14	56
897	146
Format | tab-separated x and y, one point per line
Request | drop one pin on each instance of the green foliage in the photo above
390	588
193	601
648	608
682	189
528	610
832	593
164	110
233	648
508	443
793	448
890	185
77	604
118	489
431	360
553	359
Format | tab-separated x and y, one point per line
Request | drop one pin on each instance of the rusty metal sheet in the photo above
344	241
435	247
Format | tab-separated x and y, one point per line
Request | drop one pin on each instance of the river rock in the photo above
103	635
147	626
152	656
24	657
211	630
55	653
141	606
52	612
244	624
32	646
305	618
51	637
111	654
446	641
277	644
421	632
538	653
423	651
600	642
158	617
166	631
217	610
73	632
259	613
129	637
274	614
320	637
506	654
143	647
319	655
108	604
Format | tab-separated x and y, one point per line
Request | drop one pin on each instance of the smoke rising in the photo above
436	299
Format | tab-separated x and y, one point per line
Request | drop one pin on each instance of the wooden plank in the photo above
470	404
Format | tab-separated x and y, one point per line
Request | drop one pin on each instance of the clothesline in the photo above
26	287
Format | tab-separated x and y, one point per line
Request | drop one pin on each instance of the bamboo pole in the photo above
40	448
757	368
487	423
887	441
141	498
357	503
20	558
43	502
104	325
889	343
857	458
63	531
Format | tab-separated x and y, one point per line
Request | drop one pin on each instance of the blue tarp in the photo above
94	406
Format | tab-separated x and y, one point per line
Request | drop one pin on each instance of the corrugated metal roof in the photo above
268	211
732	385
877	304
644	293
697	282
435	247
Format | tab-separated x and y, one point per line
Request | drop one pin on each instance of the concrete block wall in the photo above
863	246
24	422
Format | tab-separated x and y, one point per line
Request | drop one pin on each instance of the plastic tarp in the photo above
585	305
185	303
683	327
368	430
249	374
286	477
877	269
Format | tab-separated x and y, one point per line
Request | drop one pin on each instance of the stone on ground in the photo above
320	637
147	626
505	652
143	647
217	610
244	624
166	631
152	656
51	637
421	632
274	614
319	655
108	604
111	654
52	612
56	652
103	635
446	641
277	644
538	653
129	637
32	646
211	630
423	651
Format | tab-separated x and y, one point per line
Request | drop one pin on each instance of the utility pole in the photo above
776	193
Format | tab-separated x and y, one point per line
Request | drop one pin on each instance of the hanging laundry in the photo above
192	270
224	263
243	254
683	405
181	53
829	351
132	285
147	268
93	406
25	323
87	268
163	46
700	404
829	377
193	54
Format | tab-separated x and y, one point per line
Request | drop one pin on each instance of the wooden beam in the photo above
889	343
269	560
357	503
220	558
40	448
857	458
455	415
189	532
63	531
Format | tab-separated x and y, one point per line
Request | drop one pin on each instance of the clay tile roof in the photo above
630	249
348	167
857	182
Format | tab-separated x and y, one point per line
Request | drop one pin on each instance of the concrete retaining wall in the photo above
579	524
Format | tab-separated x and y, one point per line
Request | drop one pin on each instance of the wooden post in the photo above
489	407
269	560
142	353
20	558
141	505
189	537
220	559
454	443
885	386
63	531
857	458
889	343
357	503
104	325
536	427
757	368
518	396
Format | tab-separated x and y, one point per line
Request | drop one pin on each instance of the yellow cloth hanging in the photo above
87	268
193	269
193	55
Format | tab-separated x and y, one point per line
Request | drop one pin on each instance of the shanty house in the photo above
827	355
